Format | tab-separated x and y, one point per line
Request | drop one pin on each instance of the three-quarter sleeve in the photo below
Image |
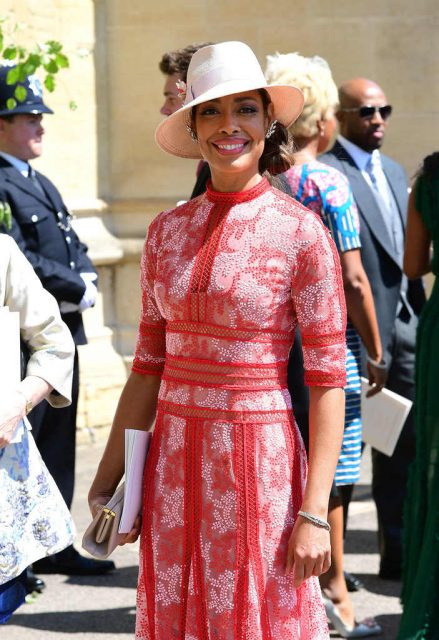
149	357
47	337
318	298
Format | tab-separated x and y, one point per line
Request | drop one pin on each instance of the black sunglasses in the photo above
369	111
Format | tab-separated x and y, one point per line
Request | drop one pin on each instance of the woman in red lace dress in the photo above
226	278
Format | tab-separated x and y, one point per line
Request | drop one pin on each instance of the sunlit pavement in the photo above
100	608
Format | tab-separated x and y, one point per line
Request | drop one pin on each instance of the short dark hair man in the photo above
379	185
41	226
174	65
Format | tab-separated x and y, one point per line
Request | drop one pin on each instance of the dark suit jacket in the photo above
39	226
377	253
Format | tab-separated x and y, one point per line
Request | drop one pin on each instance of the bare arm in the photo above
417	258
136	410
361	311
309	546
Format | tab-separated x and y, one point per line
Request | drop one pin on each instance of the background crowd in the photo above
361	196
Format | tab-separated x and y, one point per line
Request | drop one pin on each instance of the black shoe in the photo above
32	582
352	582
70	563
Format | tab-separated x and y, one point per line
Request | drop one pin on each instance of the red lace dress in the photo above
225	279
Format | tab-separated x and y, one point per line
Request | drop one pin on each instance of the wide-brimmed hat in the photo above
221	70
33	103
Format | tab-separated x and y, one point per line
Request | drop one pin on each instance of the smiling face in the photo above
22	137
367	132
231	135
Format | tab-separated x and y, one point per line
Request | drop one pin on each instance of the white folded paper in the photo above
136	448
10	358
383	417
9	348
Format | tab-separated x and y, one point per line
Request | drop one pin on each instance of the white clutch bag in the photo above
117	517
102	535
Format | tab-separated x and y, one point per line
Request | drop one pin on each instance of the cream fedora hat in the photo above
221	70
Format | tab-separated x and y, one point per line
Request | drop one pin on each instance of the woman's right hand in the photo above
12	410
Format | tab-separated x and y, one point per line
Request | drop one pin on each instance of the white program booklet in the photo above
136	449
10	358
383	417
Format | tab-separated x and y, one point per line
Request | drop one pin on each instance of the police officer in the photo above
41	226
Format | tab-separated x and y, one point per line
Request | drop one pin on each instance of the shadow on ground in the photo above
389	624
123	578
360	541
97	621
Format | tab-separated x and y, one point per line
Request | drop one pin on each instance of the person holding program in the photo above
379	186
234	532
326	191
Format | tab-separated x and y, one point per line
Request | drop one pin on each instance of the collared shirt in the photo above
363	159
359	156
21	165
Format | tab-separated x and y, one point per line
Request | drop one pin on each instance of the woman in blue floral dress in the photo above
326	191
34	519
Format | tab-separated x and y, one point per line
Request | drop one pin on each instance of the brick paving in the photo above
103	608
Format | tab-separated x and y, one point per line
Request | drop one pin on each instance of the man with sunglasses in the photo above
380	188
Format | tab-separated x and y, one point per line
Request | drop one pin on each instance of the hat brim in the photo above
172	134
26	108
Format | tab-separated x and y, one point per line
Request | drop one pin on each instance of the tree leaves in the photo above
5	215
49	82
20	93
47	57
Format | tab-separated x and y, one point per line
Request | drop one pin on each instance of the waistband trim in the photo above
207	373
229	333
225	415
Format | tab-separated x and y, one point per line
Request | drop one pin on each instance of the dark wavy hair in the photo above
277	156
430	167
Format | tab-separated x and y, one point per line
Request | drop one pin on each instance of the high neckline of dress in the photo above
237	196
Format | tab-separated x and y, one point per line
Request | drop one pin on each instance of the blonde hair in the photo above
313	77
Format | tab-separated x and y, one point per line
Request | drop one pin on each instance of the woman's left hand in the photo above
97	500
134	533
309	551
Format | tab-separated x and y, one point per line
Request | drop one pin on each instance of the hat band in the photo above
214	77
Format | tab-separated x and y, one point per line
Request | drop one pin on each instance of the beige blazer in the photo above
47	337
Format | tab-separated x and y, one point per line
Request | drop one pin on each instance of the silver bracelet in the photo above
379	365
318	522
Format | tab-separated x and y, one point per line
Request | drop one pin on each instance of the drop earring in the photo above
271	129
191	132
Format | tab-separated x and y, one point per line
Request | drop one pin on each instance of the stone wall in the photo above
103	156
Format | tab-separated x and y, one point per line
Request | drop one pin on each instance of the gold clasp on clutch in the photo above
108	513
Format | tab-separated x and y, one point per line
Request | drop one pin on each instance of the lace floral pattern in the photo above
225	280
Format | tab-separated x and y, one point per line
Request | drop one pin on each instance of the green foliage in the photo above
47	57
5	215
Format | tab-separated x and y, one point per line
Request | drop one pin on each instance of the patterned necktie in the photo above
392	220
33	178
386	202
